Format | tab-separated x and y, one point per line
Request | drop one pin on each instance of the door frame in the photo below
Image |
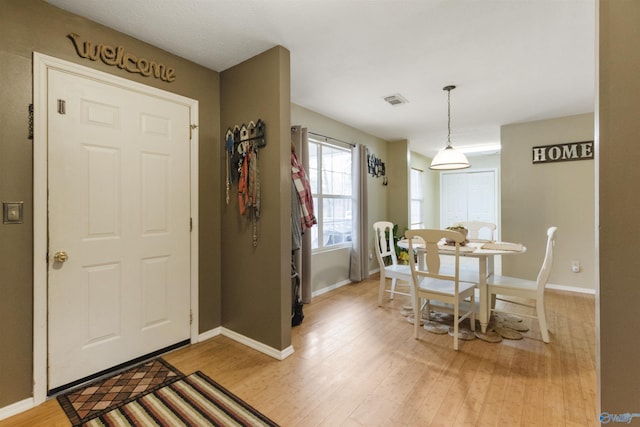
41	64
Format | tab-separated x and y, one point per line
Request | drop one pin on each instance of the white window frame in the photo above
417	195
319	196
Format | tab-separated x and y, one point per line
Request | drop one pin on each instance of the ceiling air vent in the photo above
396	99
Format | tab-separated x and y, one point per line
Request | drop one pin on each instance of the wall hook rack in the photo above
242	144
255	133
376	166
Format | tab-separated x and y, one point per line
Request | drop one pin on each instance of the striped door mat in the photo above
178	400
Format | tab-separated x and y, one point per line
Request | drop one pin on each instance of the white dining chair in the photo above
479	230
433	283
399	274
504	286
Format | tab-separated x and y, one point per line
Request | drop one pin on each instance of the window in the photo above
416	199
330	179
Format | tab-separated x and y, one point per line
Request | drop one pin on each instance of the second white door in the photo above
468	196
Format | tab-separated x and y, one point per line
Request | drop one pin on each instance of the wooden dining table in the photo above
485	252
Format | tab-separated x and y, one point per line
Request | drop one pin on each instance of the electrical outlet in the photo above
575	266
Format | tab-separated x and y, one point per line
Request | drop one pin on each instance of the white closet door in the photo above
453	198
468	196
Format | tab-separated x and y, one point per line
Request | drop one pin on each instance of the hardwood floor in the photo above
357	364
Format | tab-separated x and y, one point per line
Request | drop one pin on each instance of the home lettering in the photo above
116	56
563	152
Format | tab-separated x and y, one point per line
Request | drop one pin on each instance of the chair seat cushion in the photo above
508	282
446	287
399	269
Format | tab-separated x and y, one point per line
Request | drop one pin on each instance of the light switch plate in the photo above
12	212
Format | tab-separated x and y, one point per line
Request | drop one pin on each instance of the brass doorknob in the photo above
60	256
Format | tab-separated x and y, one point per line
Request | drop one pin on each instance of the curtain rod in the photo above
328	137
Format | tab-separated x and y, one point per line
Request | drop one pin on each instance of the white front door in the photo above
119	208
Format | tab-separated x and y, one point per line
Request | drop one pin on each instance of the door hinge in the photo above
190	224
191	128
62	106
190	317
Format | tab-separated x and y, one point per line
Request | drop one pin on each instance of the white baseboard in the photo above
210	334
571	289
330	288
256	345
16	408
576	289
338	285
249	342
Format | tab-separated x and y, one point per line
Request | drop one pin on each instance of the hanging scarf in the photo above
228	152
243	185
303	188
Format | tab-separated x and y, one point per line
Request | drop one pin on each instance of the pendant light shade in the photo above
449	158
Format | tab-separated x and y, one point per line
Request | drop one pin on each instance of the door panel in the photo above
119	206
481	197
103	191
101	291
453	198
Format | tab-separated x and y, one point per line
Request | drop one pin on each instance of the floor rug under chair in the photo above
500	326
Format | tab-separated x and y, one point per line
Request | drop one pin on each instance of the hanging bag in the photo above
296	306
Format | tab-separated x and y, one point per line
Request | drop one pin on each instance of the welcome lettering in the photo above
116	56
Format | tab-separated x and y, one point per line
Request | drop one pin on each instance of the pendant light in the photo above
449	158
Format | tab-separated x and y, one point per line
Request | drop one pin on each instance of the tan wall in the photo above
399	173
619	150
537	196
32	25
332	267
256	284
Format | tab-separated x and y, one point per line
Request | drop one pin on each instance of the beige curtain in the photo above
359	265
302	256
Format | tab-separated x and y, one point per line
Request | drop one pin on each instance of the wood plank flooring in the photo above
357	364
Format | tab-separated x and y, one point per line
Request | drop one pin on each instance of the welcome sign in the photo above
563	152
116	56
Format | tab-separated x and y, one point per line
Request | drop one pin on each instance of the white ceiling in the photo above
511	60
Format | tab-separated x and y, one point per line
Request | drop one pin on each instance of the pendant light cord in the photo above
449	89
449	118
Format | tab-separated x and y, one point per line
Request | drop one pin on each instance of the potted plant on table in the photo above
402	253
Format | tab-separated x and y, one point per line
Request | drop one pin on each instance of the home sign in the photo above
116	56
563	152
